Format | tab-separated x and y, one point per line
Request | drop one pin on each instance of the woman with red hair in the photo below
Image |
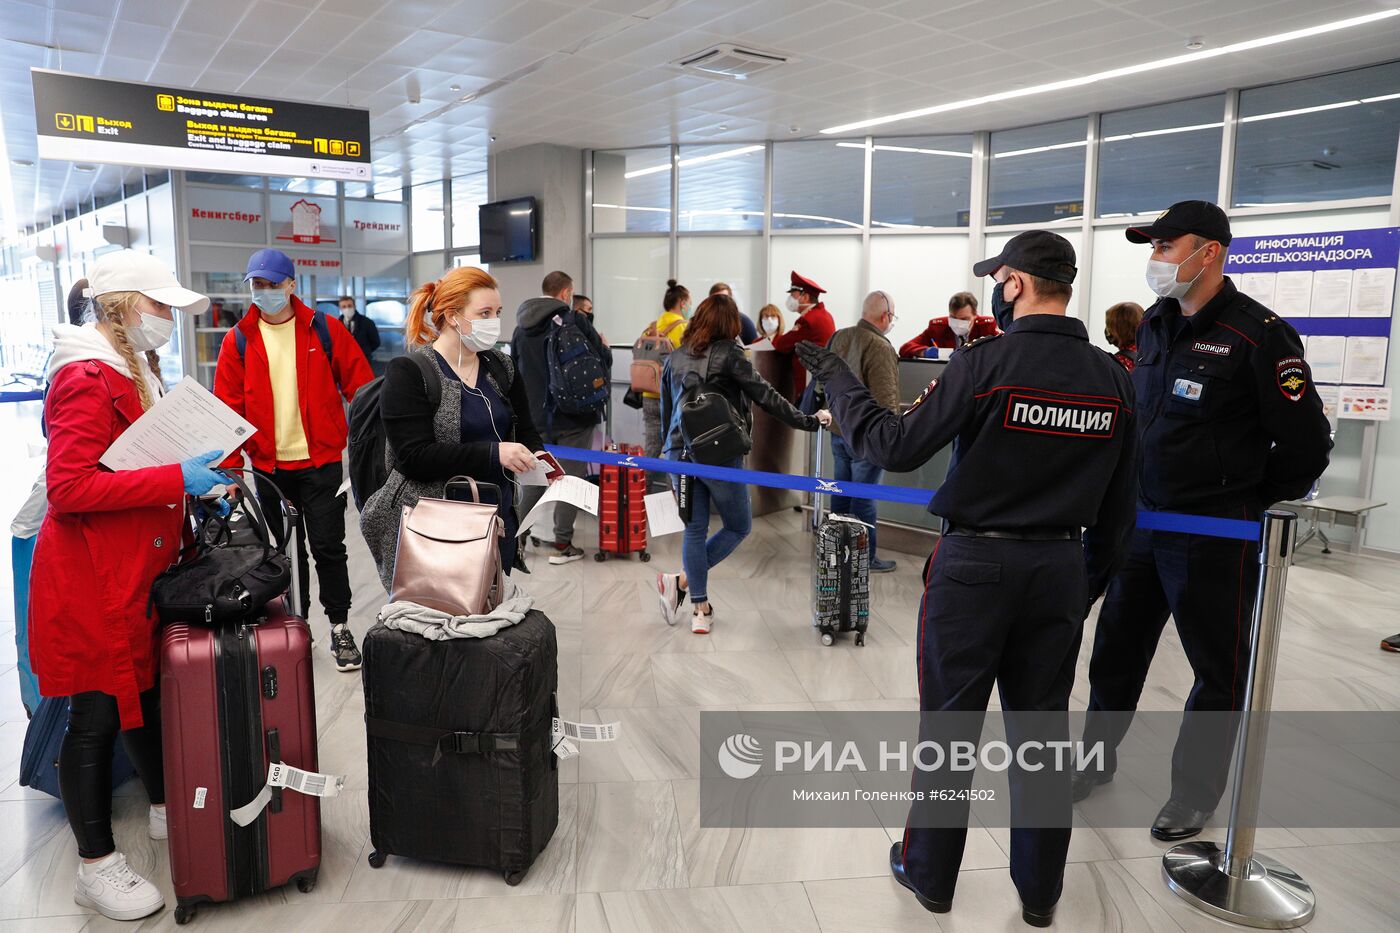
480	426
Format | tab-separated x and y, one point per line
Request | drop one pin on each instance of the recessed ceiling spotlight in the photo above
493	138
454	87
722	127
1196	43
85	168
22	163
794	129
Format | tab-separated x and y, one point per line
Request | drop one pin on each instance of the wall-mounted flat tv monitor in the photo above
510	231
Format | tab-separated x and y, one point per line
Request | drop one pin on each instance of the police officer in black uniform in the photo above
1230	423
1043	439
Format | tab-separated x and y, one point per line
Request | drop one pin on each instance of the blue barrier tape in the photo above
1157	521
28	395
1236	528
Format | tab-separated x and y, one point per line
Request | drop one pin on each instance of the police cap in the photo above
1035	252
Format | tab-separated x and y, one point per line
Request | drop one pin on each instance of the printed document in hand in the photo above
663	515
764	344
186	422
574	490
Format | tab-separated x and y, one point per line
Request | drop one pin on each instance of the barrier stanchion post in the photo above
1235	883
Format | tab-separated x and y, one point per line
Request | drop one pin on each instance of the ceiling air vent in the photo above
731	61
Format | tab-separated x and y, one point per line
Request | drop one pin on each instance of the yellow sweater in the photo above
281	343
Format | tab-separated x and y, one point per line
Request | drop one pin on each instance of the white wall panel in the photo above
629	282
920	273
833	262
737	261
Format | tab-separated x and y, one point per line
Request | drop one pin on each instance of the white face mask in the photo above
1161	277
151	333
960	326
793	305
485	331
770	325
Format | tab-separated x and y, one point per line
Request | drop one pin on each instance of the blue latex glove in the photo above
931	353
207	508
199	478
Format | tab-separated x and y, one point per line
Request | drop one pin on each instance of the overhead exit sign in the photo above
84	119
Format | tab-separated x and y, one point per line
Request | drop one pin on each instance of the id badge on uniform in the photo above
1188	390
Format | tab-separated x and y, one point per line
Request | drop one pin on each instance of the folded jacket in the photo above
436	625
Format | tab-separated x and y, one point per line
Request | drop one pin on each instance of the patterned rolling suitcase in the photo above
622	508
840	569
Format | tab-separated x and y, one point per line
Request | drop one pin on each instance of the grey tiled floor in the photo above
630	855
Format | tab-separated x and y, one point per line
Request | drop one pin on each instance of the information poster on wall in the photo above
85	119
1337	289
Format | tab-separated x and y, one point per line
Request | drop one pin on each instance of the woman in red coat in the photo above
105	538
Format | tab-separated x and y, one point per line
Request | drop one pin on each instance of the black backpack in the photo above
368	465
578	381
710	426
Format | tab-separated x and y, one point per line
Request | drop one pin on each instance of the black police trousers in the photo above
1009	612
1208	586
85	764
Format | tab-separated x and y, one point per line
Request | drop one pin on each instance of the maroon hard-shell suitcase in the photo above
233	702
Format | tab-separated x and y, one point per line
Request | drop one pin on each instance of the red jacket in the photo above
105	538
245	386
817	326
939	334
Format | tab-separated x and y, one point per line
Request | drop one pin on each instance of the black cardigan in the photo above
408	422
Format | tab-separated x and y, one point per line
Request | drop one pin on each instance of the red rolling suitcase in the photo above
233	701
622	508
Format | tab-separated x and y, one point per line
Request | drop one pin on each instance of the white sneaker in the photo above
668	590
111	888
156	825
700	622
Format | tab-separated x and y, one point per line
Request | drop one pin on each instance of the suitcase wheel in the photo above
600	556
376	859
860	639
514	877
183	914
306	885
827	639
645	556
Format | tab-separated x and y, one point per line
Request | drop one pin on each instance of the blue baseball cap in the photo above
271	264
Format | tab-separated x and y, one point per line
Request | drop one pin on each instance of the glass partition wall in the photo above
910	214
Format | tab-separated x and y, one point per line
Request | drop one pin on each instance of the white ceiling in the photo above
595	74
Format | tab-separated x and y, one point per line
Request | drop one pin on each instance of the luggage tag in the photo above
565	733
284	775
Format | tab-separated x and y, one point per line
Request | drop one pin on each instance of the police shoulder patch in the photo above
1292	375
980	341
922	395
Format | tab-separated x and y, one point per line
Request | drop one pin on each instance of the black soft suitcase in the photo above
460	738
840	569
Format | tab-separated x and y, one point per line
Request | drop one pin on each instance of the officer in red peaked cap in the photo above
814	323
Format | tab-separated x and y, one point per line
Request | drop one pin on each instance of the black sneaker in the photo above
347	656
565	554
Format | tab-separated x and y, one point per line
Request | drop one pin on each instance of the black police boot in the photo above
1391	644
897	869
1038	918
1084	782
1179	820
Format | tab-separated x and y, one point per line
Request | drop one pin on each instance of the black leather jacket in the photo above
730	373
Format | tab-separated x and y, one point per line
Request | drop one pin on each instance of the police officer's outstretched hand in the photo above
821	362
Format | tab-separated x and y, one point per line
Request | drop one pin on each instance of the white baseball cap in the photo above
129	271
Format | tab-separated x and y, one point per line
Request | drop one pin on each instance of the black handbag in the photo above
232	575
711	429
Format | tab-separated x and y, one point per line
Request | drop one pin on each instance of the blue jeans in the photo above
699	550
852	470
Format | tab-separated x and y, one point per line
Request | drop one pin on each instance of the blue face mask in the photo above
1004	311
269	300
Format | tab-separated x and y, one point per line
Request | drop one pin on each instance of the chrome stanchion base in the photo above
1272	897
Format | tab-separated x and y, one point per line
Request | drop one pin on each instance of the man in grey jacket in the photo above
533	321
869	354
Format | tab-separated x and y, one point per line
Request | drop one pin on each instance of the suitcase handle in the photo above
274	756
